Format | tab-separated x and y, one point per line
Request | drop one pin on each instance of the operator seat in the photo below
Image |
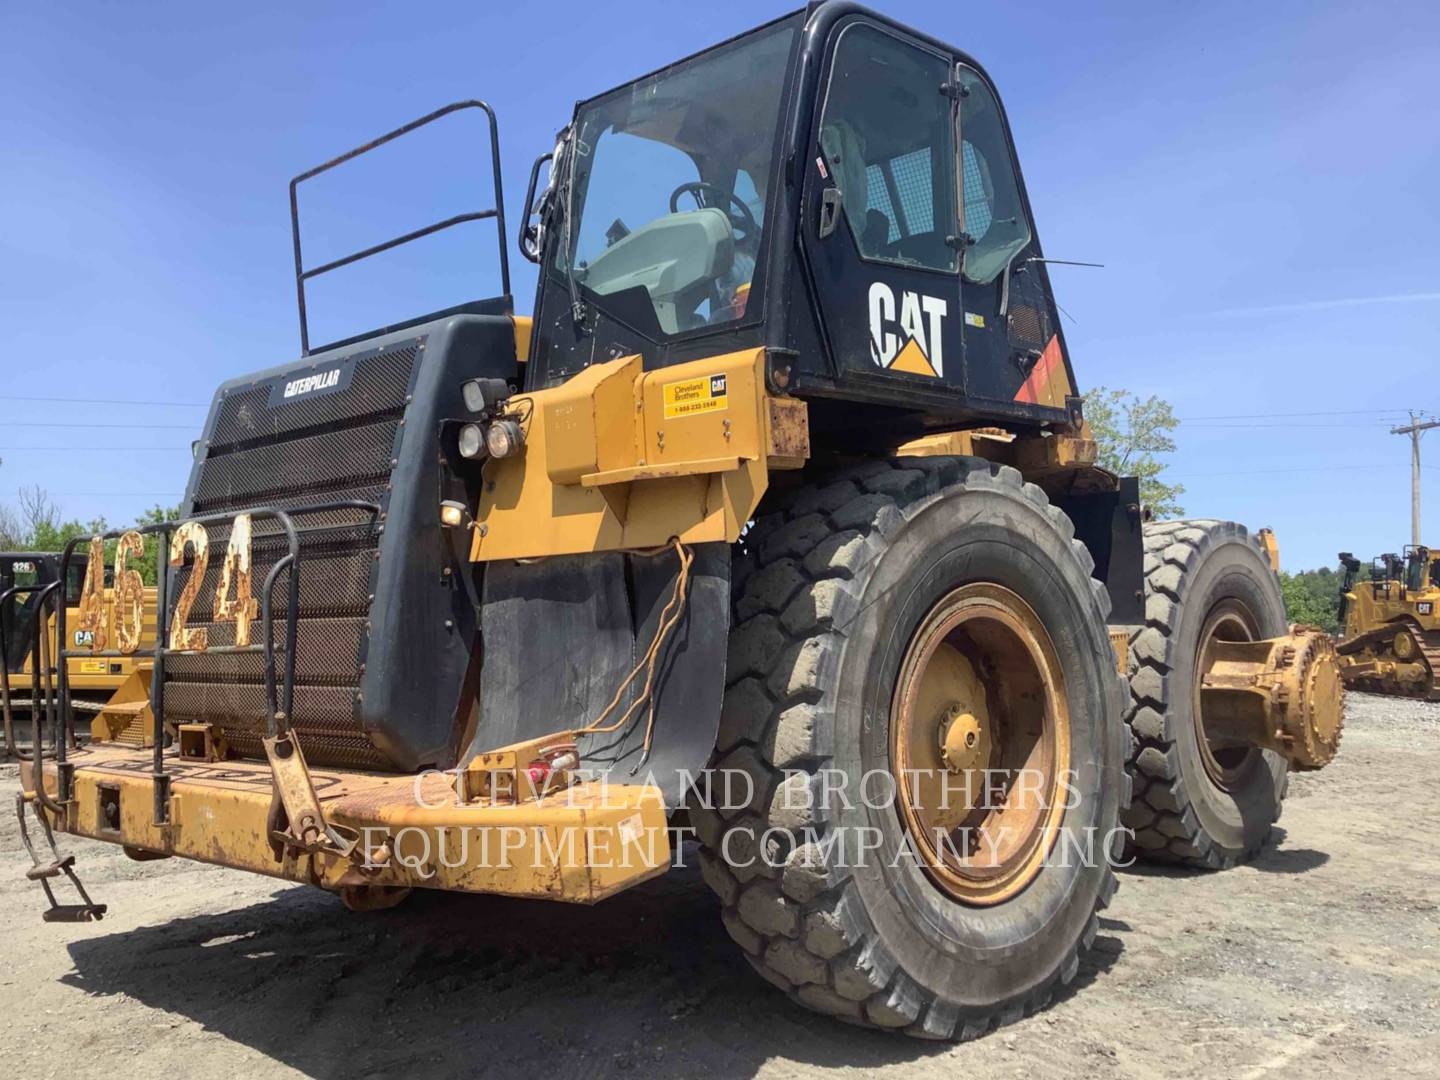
844	150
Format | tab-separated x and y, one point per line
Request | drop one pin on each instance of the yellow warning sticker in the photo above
91	667
691	397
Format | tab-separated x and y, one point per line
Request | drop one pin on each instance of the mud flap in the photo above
559	636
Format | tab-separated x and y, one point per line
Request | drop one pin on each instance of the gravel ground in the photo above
1322	958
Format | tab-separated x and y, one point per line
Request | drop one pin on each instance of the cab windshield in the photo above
669	187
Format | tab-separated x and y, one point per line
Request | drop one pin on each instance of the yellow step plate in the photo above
580	845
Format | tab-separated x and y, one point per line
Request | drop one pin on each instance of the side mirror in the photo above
831	200
532	235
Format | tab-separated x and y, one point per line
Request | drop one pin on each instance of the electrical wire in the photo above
669	617
1303	469
105	401
1271	415
93	427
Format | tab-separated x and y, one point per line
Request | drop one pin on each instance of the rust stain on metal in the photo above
91	618
789	430
235	573
580	845
1120	643
182	637
129	593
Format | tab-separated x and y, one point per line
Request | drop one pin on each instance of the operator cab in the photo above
834	187
26	572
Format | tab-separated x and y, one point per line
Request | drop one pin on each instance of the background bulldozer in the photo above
778	521
1390	624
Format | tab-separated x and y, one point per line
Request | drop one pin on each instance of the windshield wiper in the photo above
572	281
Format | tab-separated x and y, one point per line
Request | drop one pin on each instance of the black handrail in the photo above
44	662
279	698
497	212
37	676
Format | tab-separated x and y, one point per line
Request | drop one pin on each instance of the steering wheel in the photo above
742	221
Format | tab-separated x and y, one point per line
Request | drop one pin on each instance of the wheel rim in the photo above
1229	620
980	743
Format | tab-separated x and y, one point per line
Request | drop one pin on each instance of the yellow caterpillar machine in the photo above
778	521
97	684
1390	624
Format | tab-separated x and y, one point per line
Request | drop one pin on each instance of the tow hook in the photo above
296	821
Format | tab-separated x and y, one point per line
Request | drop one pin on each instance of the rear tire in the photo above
1191	805
827	598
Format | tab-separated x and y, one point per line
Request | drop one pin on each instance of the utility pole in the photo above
1415	429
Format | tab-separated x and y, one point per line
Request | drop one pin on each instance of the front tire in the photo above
838	588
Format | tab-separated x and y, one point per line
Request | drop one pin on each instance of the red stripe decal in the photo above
1029	393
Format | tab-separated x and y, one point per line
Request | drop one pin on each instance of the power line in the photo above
1265	472
1268	415
106	401
93	427
1378	423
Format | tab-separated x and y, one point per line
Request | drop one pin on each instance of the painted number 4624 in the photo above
123	609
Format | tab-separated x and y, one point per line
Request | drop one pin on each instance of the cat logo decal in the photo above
907	334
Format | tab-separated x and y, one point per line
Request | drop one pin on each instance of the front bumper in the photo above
581	844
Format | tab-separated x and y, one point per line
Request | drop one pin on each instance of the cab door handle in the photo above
830	201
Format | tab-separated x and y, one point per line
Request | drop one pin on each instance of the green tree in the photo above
1313	597
154	516
37	525
1130	432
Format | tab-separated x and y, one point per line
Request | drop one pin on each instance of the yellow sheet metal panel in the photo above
524	327
1271	547
589	423
617	458
578	845
705	409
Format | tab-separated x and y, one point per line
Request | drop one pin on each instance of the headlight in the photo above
453	514
504	437
472	441
484	395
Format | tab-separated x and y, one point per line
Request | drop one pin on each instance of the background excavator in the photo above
118	687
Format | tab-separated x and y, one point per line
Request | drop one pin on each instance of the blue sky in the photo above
1259	179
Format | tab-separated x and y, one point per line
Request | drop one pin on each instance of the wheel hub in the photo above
964	743
1282	694
980	742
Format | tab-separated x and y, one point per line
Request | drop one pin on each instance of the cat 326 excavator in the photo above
779	517
112	690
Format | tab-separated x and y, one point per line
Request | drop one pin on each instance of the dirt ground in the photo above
1321	958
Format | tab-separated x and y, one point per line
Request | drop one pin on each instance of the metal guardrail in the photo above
279	692
497	211
42	686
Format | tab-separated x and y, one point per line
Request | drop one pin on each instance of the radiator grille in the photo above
300	453
1028	324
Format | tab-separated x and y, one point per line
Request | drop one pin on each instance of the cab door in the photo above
879	210
1014	350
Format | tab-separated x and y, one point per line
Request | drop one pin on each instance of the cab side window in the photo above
887	139
994	216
